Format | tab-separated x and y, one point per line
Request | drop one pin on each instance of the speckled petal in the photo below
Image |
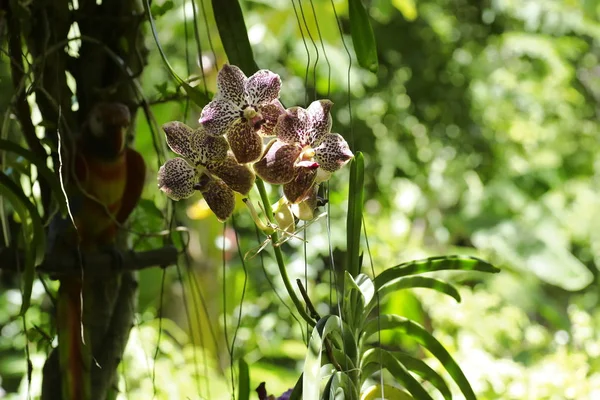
177	178
262	87
218	116
270	113
333	152
238	177
231	82
208	148
319	121
300	187
245	143
218	196
291	126
179	138
277	164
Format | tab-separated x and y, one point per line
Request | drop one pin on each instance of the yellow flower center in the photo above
307	154
250	113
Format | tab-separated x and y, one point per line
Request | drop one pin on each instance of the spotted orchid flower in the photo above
207	166
305	152
243	109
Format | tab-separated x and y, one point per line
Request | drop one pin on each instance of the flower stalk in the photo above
279	255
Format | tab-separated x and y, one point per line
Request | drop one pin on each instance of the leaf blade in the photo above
363	37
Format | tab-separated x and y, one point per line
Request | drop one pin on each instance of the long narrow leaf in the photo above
462	263
34	253
391	393
389	362
311	381
244	380
232	29
355	209
420	334
414	365
43	170
363	37
342	387
411	282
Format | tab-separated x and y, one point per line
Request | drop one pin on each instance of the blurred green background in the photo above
480	132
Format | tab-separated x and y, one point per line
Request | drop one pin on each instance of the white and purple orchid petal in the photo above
262	87
333	152
179	139
299	188
208	148
177	179
245	143
218	115
231	83
219	197
238	177
291	126
277	165
319	121
270	114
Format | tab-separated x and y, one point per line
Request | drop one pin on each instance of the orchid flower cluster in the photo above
226	152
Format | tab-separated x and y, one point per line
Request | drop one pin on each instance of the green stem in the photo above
279	256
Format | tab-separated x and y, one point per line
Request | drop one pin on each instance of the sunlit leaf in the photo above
459	263
391	393
232	29
363	37
420	334
410	282
355	210
244	380
399	371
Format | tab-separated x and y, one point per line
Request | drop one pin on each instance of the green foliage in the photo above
362	36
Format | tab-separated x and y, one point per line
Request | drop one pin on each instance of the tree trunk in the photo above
110	57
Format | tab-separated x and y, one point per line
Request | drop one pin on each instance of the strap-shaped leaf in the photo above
354	303
462	263
389	362
43	170
411	282
341	386
391	393
297	391
244	380
412	364
332	327
232	29
355	210
363	37
36	244
420	334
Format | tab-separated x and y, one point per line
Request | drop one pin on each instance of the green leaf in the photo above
362	36
341	387
158	10
462	263
399	371
355	210
244	380
43	170
232	29
391	393
411	282
420	334
414	365
327	326
35	240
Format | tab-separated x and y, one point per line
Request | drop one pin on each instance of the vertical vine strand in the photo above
239	321
310	36
307	53
224	293
160	310
378	308
322	48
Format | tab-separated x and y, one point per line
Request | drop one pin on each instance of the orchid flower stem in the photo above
279	255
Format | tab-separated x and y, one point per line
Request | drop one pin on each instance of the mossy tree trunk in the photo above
99	60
